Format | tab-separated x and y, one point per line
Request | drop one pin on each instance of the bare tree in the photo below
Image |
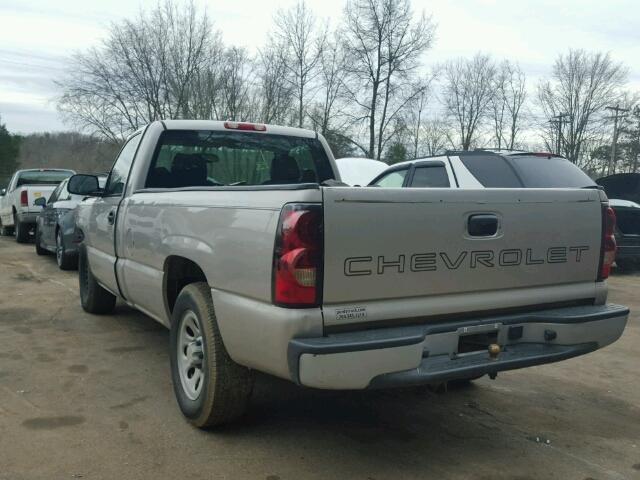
302	40
235	84
506	105
143	71
434	137
469	88
416	115
276	94
331	87
581	85
384	45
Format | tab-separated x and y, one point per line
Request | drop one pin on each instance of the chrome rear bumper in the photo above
422	354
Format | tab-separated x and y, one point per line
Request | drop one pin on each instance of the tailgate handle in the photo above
482	225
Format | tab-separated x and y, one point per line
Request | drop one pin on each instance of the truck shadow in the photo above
482	422
525	423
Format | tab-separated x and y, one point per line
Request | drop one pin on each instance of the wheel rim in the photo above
59	248
190	355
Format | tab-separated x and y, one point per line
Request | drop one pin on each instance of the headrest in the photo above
189	170
284	168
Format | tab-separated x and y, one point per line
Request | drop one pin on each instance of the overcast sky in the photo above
37	36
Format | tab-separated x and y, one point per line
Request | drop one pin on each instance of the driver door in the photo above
101	250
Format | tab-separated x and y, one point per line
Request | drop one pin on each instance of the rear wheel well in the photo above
178	273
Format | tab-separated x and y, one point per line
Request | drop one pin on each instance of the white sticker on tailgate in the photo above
351	313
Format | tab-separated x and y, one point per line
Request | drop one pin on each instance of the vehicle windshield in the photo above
190	158
553	172
43	177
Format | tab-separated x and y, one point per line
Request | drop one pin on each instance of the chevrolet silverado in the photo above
241	239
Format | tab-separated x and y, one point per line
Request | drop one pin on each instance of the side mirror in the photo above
3	192
40	202
84	185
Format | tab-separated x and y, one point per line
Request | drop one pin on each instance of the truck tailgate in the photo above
36	191
433	247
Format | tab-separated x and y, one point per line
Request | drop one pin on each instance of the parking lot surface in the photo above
85	396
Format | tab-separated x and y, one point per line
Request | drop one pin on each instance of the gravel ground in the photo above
90	397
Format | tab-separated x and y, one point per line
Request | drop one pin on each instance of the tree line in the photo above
73	150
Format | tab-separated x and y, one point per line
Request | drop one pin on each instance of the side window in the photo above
434	176
394	179
55	194
64	193
492	171
120	170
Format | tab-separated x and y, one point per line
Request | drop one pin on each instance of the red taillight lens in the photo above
24	199
297	262
608	252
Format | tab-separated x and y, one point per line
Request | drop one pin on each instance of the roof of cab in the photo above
45	170
219	125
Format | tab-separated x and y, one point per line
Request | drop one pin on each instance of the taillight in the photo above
24	199
297	258
256	127
608	248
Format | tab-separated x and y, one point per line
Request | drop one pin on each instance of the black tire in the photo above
226	386
93	298
65	260
625	265
39	249
21	230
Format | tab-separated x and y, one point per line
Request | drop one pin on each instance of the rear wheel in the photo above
93	297
625	265
5	231
22	230
39	249
211	389
65	260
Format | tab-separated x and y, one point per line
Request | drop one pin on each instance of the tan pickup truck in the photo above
241	240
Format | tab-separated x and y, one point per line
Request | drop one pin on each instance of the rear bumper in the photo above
422	354
28	217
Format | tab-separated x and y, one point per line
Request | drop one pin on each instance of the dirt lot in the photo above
90	397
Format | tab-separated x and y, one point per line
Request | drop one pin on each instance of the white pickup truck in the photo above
18	211
241	240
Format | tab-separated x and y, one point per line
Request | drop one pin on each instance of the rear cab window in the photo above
199	158
525	170
549	172
42	177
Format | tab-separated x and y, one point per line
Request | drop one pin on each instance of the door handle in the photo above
111	218
482	225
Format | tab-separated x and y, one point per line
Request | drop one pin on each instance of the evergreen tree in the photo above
9	148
